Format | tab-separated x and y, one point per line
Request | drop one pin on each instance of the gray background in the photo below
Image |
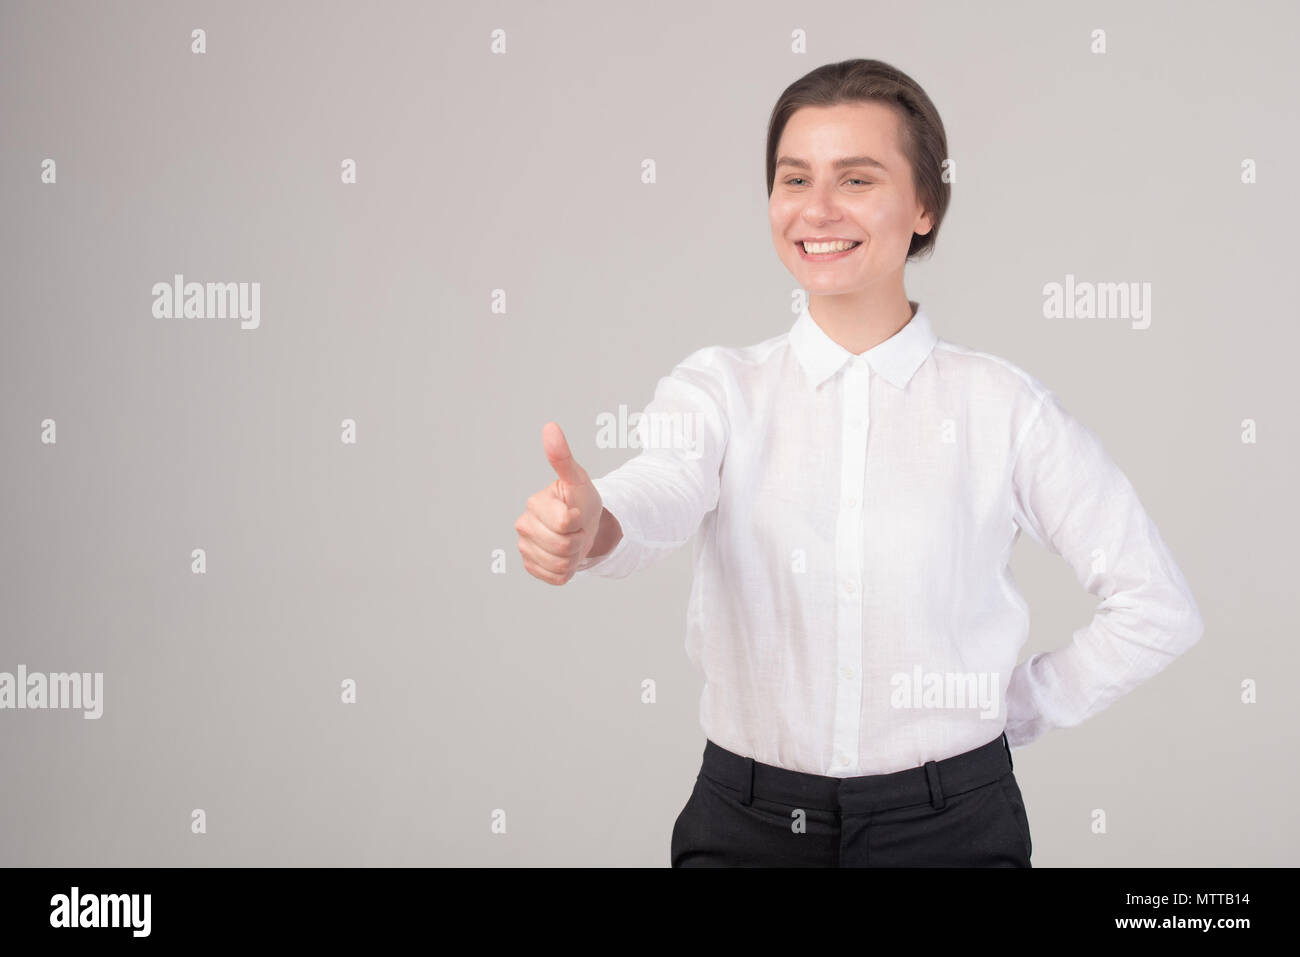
521	172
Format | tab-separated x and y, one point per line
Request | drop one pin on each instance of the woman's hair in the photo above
923	140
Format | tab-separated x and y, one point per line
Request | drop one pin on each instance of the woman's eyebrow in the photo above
842	163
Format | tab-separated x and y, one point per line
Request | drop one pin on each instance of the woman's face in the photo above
841	175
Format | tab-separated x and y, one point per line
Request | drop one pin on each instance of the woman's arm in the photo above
1071	498
658	498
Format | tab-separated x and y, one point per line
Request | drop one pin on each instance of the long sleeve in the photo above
1071	498
660	496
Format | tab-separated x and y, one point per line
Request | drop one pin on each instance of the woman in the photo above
858	484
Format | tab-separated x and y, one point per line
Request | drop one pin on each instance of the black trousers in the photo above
963	811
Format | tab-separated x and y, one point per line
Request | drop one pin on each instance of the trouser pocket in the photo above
678	843
1016	805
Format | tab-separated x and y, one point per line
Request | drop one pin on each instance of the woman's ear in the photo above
923	224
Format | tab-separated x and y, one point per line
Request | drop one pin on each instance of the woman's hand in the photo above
562	521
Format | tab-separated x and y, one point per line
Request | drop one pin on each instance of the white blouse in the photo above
852	607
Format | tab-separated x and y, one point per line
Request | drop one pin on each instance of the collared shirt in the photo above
852	607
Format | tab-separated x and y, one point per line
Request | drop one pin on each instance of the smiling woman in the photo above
857	484
899	113
855	160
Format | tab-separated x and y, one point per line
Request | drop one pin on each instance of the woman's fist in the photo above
559	524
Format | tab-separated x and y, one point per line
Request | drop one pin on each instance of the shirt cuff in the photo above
620	560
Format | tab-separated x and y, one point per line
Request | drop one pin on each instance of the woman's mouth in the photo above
825	252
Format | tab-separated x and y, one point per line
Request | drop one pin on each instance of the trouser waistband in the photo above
928	784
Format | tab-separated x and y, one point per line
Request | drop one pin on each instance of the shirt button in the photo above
842	759
852	502
848	587
848	671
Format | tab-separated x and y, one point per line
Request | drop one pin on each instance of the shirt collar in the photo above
896	359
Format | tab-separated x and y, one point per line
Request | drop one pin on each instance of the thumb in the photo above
561	459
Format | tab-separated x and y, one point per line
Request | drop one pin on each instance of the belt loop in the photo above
1007	742
932	777
747	782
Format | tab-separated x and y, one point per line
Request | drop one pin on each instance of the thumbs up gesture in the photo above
561	521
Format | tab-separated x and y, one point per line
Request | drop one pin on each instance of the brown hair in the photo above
923	140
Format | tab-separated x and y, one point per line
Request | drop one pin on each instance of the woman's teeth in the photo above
836	247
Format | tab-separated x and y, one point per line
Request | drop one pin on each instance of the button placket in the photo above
855	393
